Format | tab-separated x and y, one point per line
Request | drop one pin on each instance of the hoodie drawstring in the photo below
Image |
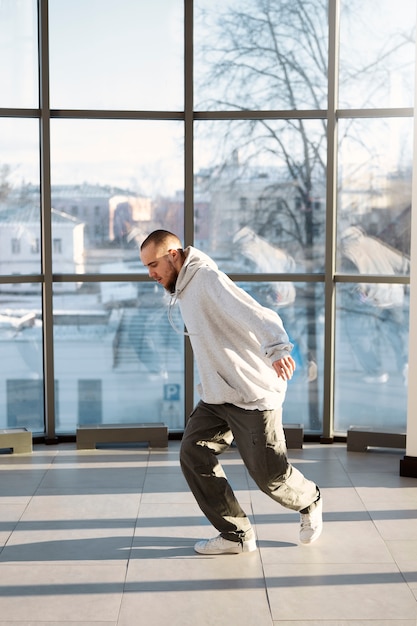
172	303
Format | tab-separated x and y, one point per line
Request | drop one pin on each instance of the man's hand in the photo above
284	367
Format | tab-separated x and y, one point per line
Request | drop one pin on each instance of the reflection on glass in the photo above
371	356
21	403
111	181
268	176
377	54
124	55
19	198
260	55
117	358
300	306
374	187
19	54
361	254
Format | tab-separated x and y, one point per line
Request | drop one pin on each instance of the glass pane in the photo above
267	177
260	55
302	316
371	355
116	55
117	359
377	41
19	54
21	399
374	189
19	197
111	182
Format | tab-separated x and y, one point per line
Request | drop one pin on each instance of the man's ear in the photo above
173	256
176	258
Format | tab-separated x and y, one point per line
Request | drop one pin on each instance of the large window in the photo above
275	136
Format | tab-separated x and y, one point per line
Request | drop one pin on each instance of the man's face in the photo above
160	266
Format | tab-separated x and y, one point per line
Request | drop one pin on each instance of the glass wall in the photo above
117	358
230	123
374	208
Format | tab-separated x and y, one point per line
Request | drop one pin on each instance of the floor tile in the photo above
77	528
17	485
374	591
172	487
170	520
341	542
54	593
90	479
200	590
9	517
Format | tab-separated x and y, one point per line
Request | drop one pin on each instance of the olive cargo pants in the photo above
260	439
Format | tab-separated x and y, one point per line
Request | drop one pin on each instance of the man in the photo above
243	358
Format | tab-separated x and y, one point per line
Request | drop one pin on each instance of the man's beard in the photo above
172	283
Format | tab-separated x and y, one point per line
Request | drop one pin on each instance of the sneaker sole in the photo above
247	546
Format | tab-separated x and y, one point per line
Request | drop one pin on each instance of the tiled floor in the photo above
105	538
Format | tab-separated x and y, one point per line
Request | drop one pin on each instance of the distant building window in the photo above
261	202
34	248
57	244
74	210
15	245
243	203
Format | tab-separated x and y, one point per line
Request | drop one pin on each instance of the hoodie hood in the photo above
194	260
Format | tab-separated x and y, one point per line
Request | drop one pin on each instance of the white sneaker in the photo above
220	545
311	524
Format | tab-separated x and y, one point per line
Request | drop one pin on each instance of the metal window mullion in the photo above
46	226
331	199
188	179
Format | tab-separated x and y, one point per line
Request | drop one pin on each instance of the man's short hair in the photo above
160	237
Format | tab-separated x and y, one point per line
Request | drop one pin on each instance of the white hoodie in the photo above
235	340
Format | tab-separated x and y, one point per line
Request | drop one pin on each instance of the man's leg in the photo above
259	436
206	436
261	442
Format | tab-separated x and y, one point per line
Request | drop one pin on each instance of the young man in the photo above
243	358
